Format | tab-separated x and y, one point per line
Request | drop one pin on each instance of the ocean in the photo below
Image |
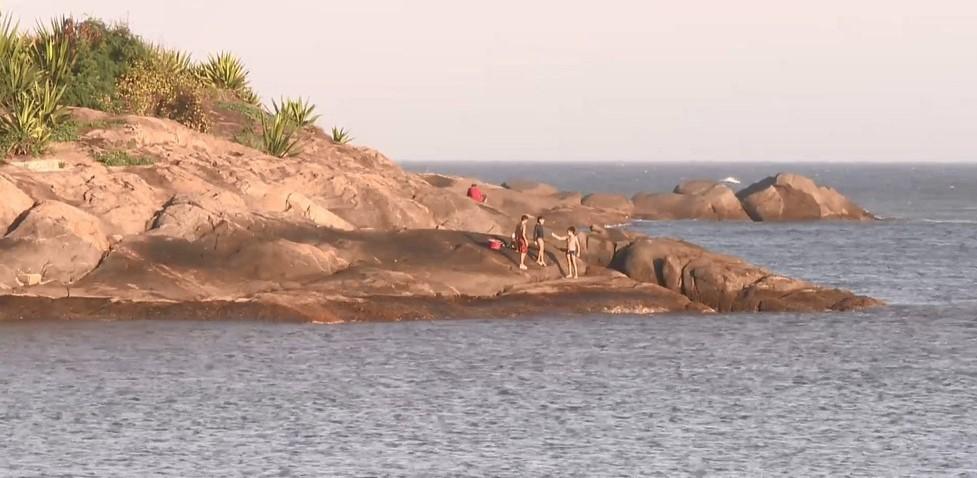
887	392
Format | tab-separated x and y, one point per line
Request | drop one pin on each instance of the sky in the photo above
616	80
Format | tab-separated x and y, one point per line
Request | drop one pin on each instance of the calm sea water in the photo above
890	392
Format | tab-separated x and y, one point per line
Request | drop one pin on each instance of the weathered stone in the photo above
614	202
791	197
59	242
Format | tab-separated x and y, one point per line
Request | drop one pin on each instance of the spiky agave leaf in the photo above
9	37
248	95
47	96
299	111
23	127
278	136
17	75
174	62
224	71
55	57
340	136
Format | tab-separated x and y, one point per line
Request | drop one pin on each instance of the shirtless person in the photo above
522	242
573	250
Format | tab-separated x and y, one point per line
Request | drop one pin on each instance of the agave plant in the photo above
23	128
278	136
248	95
9	38
173	62
18	75
47	96
299	111
55	57
224	71
340	136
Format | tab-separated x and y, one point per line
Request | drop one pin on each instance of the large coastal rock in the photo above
791	197
690	200
54	242
726	283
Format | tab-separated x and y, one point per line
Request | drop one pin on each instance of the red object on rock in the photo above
476	194
495	244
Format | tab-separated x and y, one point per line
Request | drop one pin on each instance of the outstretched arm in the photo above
558	237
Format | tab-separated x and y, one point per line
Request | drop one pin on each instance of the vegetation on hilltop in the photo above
89	63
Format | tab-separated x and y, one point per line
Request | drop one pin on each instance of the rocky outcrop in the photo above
726	283
338	233
690	200
791	197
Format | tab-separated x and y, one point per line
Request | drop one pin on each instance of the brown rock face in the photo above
690	200
13	202
612	202
600	245
696	187
504	206
55	240
530	187
791	197
726	283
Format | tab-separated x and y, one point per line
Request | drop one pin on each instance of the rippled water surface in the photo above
890	392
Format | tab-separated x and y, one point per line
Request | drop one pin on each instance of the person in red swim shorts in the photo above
522	241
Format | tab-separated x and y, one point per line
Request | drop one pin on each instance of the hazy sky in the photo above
692	80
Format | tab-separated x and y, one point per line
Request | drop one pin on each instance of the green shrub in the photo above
299	111
224	71
340	136
252	112
103	55
151	89
122	158
67	130
278	136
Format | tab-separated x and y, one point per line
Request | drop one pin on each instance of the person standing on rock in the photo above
573	250
522	242
539	233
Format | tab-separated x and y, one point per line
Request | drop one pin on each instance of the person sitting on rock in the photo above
521	241
476	194
539	233
573	250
